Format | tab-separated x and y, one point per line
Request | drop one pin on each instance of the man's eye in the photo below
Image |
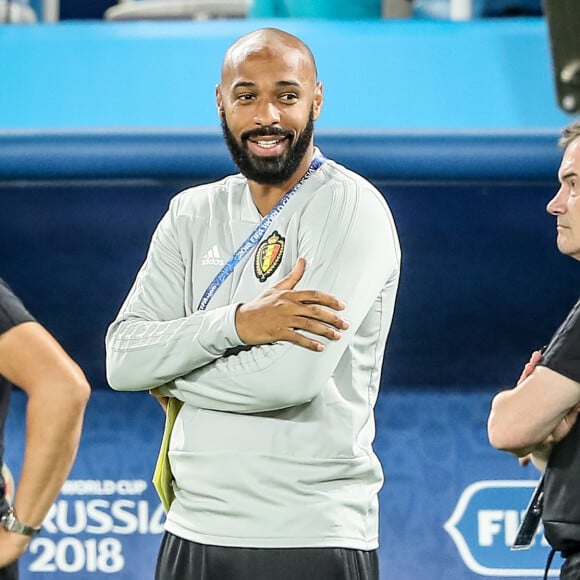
289	97
245	97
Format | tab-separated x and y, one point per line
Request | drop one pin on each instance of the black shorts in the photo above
571	568
9	572
181	559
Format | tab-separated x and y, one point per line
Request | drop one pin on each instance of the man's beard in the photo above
268	170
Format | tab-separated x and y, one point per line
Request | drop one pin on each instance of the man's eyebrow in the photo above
568	175
288	84
250	84
243	84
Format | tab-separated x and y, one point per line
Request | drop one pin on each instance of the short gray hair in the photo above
569	133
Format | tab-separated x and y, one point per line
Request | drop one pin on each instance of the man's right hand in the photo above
279	312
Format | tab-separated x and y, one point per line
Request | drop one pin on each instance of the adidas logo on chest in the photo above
212	257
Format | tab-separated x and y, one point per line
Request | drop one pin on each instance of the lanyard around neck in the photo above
256	236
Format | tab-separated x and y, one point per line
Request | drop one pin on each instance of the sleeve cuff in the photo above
219	332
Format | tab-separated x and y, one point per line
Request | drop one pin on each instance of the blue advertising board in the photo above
450	505
485	522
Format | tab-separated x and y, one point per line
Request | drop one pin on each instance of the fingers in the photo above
318	328
530	366
319	320
304	341
312	327
534	360
316	320
317	297
293	278
536	356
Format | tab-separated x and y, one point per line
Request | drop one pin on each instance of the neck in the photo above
266	196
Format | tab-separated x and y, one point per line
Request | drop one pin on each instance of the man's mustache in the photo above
265	132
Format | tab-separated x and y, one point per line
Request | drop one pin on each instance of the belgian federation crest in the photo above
268	256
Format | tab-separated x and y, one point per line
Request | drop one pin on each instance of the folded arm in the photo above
154	339
538	412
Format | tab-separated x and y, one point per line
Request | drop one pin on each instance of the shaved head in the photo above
264	41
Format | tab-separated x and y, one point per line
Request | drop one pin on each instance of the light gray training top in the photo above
273	447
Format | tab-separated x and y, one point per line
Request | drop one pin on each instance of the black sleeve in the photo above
563	352
12	311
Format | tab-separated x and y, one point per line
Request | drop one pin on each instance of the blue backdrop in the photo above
455	123
383	74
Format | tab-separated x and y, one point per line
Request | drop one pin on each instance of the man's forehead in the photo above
263	68
571	160
280	50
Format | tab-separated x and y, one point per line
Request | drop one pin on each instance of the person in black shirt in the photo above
537	420
57	391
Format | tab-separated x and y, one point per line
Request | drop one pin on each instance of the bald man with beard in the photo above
261	314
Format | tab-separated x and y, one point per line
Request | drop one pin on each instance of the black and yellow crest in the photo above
268	256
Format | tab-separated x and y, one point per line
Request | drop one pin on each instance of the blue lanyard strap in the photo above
255	236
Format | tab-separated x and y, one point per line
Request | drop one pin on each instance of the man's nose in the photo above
267	113
557	205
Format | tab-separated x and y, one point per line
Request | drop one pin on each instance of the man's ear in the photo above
219	100
318	101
